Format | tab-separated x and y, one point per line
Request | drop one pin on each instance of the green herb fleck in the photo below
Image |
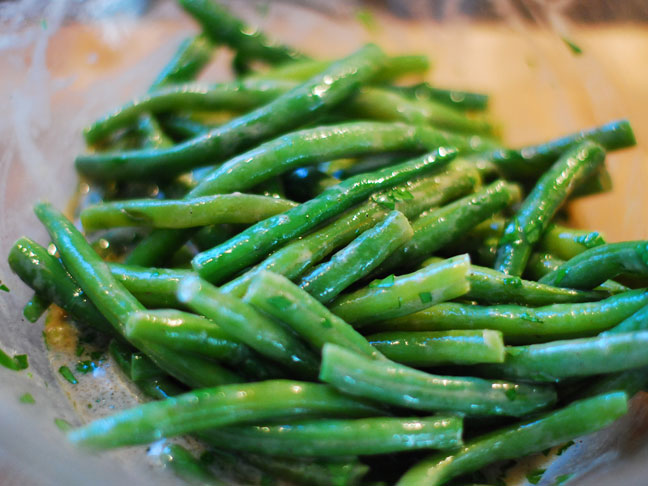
591	240
27	398
572	46
384	283
511	393
535	476
280	302
67	374
79	350
62	425
367	19
563	478
3	287
327	324
86	366
17	363
426	297
564	447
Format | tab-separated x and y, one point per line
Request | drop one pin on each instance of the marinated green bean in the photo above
422	349
462	100
293	108
530	222
326	437
556	360
216	407
534	435
187	467
400	385
283	300
183	213
636	322
566	243
521	324
358	259
255	242
193	54
242	322
406	294
35	308
593	267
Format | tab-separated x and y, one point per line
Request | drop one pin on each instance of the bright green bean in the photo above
566	243
534	435
530	222
193	54
35	308
216	407
400	385
462	100
280	298
422	349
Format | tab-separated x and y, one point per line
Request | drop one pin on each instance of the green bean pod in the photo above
116	303
193	54
183	213
186	466
520	324
530	222
636	322
557	360
406	294
358	258
440	227
251	245
534	435
593	267
293	108
400	385
283	300
219	406
566	243
242	322
326	437
35	308
463	100
423	349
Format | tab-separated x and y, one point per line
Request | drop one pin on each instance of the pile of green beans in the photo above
419	292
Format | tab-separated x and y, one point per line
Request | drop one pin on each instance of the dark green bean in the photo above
326	437
254	243
422	349
462	100
406	294
182	128
216	407
116	303
400	385
301	104
187	467
593	267
358	258
556	360
440	227
183	213
280	298
35	308
242	322
223	27
566	243
534	435
521	324
530	222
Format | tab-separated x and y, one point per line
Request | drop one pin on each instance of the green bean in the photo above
534	435
223	27
116	303
521	324
358	259
326	437
394	67
193	54
49	279
556	360
154	287
254	243
422	349
566	243
307	182
183	213
190	333
186	466
400	385
636	322
242	322
440	227
289	110
383	104
530	222
312	145
158	247
406	294
217	407
142	368
234	96
182	128
462	100
593	267
532	161
283	300
35	308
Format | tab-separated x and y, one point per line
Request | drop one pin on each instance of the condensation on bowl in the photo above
59	73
